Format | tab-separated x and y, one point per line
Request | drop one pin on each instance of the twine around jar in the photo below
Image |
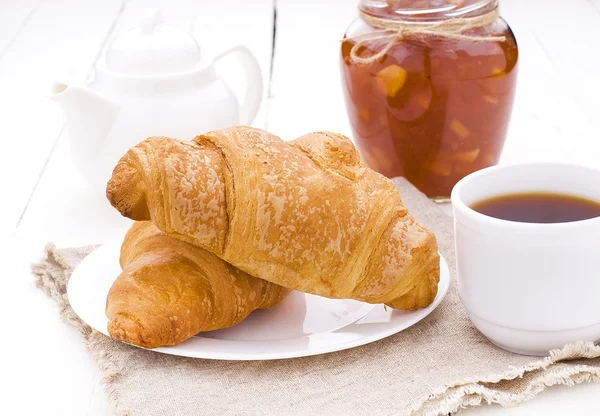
395	31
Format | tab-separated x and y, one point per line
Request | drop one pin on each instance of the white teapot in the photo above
151	81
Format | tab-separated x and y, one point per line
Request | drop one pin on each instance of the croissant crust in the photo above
306	214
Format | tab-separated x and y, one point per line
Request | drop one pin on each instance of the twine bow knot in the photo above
395	31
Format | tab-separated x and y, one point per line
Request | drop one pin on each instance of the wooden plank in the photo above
14	16
72	214
306	92
554	116
60	41
46	356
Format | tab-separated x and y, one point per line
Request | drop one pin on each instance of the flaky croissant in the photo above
170	290
306	214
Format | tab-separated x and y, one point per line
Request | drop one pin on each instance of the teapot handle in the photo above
253	78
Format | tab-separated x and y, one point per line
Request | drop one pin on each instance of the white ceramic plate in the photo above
301	325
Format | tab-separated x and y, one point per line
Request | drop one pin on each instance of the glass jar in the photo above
433	107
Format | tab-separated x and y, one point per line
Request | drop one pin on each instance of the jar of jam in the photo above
429	88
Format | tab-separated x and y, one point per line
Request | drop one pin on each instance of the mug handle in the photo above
252	98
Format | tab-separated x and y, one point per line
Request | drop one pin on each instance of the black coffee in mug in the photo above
539	207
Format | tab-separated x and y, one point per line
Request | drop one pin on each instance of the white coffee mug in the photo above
529	288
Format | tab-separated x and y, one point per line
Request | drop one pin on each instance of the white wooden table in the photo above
45	367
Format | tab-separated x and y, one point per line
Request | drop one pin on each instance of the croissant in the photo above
305	214
170	290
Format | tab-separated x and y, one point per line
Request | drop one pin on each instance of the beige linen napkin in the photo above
438	366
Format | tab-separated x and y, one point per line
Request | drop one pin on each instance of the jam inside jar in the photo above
432	108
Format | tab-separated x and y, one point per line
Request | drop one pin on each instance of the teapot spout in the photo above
90	115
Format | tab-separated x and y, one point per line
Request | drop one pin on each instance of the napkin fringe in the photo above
474	390
457	398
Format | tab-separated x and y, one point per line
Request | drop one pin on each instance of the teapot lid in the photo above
154	48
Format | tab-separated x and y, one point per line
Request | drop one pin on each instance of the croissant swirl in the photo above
305	214
170	290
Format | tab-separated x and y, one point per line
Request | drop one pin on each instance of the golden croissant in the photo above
170	290
305	214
